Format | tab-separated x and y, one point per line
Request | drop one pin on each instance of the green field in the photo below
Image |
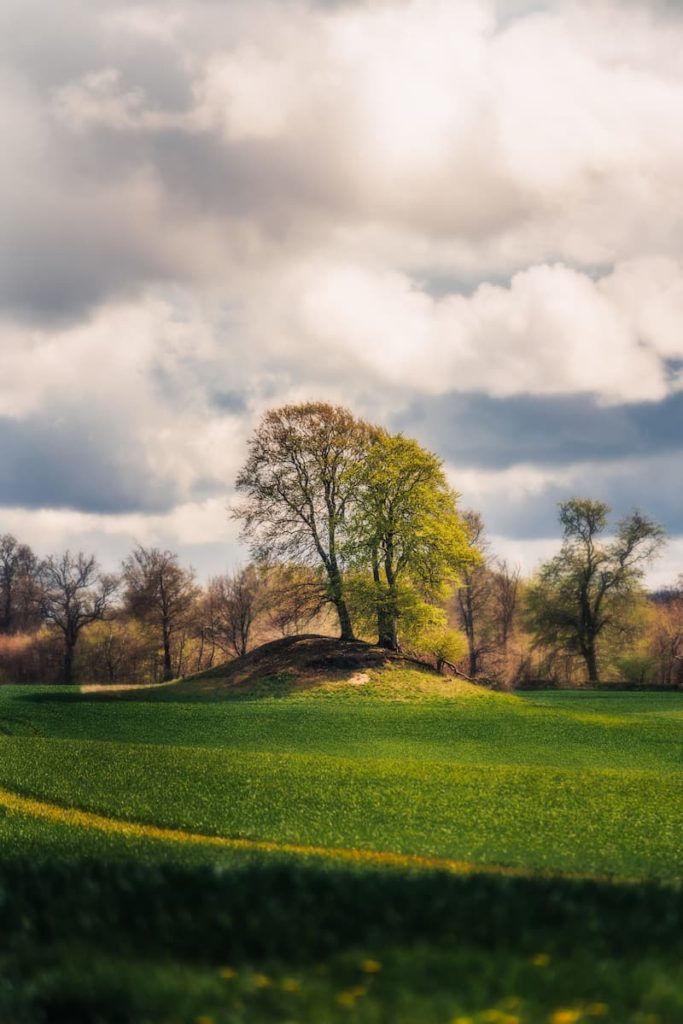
565	808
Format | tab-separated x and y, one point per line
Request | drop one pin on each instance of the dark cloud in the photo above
495	433
630	456
60	260
653	486
53	461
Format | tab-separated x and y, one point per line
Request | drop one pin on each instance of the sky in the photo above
461	220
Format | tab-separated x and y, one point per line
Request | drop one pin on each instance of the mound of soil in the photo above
295	662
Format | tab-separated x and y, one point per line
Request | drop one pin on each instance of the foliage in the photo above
443	644
116	650
405	526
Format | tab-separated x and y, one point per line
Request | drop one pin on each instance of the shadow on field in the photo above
254	910
111	943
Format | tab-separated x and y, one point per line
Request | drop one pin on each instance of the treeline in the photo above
348	522
64	620
160	623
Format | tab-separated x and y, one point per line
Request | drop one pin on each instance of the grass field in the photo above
406	851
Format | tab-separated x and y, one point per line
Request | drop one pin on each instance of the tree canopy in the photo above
405	527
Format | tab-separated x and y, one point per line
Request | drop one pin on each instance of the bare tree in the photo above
296	487
74	592
295	596
237	601
159	591
666	634
18	591
505	588
473	598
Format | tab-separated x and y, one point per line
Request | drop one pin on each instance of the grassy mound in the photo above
297	665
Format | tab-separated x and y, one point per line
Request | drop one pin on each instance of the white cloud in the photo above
553	330
252	202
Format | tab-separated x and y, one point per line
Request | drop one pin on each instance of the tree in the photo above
405	526
666	635
236	600
18	568
474	595
159	591
74	593
589	588
297	486
505	586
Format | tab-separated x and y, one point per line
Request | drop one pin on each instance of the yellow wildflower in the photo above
492	1016
204	1020
260	981
357	991
462	1020
346	999
565	1016
541	960
371	966
597	1010
290	985
227	972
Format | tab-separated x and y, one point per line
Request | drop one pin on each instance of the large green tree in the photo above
405	527
589	588
297	487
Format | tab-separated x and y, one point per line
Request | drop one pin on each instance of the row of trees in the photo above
341	514
152	621
159	622
583	615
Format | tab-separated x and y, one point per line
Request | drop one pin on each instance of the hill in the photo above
297	665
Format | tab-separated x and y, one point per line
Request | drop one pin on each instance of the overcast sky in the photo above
460	219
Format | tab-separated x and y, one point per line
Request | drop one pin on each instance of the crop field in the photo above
460	856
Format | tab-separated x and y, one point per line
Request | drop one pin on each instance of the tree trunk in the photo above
337	596
388	634
68	663
473	660
168	668
344	619
592	664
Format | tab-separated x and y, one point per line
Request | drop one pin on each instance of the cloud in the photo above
477	430
551	331
427	133
408	206
521	501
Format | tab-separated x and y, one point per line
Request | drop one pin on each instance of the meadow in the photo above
391	853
